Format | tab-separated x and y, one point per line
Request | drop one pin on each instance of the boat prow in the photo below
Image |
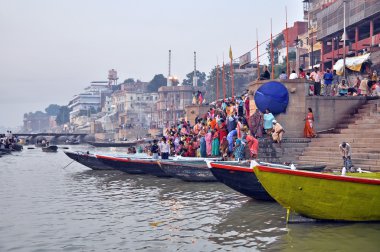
323	196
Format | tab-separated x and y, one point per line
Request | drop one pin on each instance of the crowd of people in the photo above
227	130
7	140
329	83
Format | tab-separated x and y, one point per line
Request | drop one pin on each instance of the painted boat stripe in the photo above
125	160
231	167
319	175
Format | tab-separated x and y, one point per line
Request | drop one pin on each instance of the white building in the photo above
88	102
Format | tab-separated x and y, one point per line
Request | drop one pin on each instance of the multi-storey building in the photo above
326	21
88	102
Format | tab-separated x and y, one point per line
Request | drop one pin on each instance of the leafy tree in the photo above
158	81
52	109
201	79
129	81
277	43
63	116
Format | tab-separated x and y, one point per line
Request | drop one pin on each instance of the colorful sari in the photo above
253	145
208	139
257	124
215	145
309	126
203	147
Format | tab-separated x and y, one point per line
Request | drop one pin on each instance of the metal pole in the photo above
217	81
257	55
344	39
287	43
271	49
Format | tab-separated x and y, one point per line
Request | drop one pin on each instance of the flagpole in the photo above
224	81
257	54
232	74
287	43
271	49
217	80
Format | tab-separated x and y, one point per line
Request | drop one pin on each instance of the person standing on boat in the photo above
154	149
164	148
345	149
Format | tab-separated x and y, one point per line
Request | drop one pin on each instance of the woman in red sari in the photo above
222	128
309	125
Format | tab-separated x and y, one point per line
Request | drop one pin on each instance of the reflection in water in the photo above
46	207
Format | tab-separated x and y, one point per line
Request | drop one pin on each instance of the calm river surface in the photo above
44	207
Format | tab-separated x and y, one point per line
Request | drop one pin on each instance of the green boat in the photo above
324	196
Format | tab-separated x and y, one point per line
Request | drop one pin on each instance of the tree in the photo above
201	79
63	116
52	109
129	81
158	81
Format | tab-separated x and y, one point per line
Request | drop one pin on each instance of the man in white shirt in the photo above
293	75
316	77
164	148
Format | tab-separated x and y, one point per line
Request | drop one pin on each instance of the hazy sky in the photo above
50	50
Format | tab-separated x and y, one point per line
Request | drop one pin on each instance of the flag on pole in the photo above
231	54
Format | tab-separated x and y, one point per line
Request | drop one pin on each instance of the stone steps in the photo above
356	149
334	154
359	130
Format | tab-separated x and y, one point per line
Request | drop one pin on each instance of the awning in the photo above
352	63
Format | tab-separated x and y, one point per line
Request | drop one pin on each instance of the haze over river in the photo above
45	207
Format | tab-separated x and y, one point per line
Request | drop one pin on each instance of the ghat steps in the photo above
360	130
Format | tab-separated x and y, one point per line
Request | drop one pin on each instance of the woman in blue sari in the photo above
203	147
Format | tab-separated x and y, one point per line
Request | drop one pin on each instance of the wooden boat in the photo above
117	144
133	165
5	151
41	145
50	148
323	196
240	177
88	159
191	170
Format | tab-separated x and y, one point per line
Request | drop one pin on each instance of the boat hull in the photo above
191	171
241	179
323	196
51	148
88	160
110	144
133	165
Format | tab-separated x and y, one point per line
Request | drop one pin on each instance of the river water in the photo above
45	207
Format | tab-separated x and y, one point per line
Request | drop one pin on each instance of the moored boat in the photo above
50	148
191	170
119	144
133	165
88	159
323	196
240	177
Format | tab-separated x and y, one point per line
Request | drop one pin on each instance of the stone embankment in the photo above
360	130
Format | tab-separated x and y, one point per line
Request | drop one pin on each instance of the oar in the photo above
68	164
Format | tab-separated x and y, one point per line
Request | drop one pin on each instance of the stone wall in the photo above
192	111
328	111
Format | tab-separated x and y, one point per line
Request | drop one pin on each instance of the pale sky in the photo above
51	50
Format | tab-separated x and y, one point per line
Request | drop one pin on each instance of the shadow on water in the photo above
322	236
254	224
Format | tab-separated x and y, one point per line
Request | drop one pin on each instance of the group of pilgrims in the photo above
8	140
227	130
